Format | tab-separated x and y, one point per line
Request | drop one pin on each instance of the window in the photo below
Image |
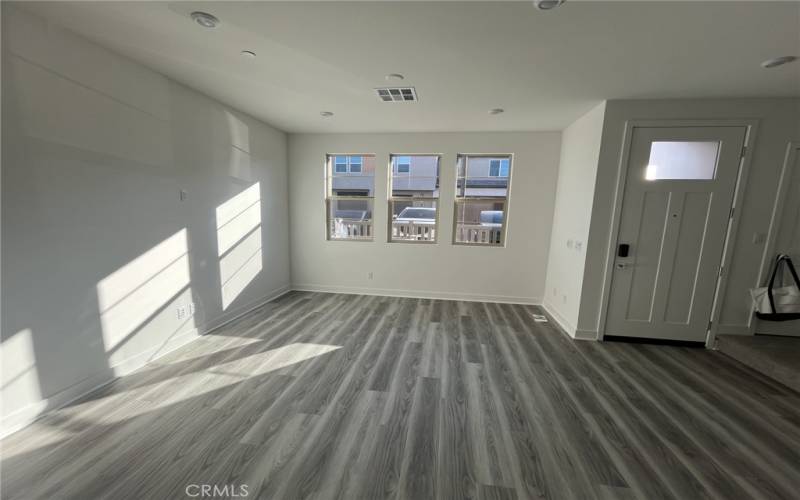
498	167
481	206
347	164
350	191
690	160
341	165
403	165
355	164
414	198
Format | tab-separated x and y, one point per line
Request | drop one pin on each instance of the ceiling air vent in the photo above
397	94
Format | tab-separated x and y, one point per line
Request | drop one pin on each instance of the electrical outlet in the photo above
578	245
181	312
564	298
369	275
569	243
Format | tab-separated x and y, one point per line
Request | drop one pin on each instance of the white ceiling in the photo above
464	58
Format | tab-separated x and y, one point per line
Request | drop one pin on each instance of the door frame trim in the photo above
787	171
751	128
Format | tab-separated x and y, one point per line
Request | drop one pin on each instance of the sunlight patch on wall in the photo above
239	243
20	383
133	295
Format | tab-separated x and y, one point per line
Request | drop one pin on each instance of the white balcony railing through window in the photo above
413	231
477	234
345	229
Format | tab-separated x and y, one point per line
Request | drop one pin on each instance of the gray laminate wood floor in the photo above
346	396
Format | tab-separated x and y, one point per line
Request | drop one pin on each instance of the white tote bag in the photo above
780	303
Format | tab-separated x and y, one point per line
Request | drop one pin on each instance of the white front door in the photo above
675	212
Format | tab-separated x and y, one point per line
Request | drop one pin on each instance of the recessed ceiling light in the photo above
396	77
547	4
778	61
496	111
248	54
205	19
326	114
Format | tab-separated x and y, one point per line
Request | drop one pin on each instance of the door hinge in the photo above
708	328
744	151
721	268
730	214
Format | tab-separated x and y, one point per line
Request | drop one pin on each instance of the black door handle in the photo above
623	250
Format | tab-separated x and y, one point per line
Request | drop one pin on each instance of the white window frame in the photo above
463	199
392	199
330	197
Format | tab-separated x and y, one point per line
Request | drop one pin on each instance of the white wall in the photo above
778	124
786	238
580	149
98	250
514	273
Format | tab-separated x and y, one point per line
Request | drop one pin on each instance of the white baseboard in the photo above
566	326
733	330
418	294
25	416
791	328
240	311
559	318
585	334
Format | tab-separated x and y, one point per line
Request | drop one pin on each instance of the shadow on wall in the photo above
68	324
105	265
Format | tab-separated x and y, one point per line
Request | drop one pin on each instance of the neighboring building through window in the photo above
403	165
350	188
481	205
414	198
498	167
347	164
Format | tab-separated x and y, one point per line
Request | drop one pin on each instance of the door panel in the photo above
647	244
685	271
675	212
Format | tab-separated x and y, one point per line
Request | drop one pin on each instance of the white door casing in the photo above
675	216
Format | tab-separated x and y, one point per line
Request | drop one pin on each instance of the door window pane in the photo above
682	160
